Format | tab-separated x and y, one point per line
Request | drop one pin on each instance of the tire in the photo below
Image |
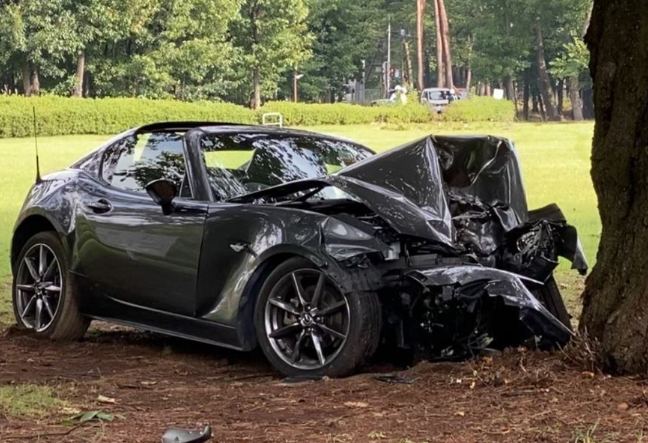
52	297
550	297
355	315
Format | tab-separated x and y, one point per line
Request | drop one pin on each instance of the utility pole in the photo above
296	77
388	70
420	14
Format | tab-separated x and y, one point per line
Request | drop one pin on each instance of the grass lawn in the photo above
555	163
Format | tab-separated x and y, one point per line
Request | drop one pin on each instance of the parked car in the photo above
437	99
306	245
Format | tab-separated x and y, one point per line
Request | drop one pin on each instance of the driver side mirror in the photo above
163	191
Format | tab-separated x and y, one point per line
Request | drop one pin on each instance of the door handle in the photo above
100	206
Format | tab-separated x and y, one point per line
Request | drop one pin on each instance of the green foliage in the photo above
303	114
65	116
480	109
573	61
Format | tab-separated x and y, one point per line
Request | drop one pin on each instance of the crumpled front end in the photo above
441	229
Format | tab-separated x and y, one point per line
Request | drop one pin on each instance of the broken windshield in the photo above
238	164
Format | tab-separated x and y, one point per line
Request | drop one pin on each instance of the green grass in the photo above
29	401
554	157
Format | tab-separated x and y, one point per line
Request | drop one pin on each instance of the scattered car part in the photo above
186	436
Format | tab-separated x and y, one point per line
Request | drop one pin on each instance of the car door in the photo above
127	248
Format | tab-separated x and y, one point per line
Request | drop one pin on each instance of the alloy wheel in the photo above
39	284
307	319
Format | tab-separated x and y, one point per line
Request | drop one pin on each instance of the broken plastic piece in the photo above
186	436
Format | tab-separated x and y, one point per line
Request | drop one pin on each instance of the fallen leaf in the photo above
588	374
356	404
623	406
460	413
104	399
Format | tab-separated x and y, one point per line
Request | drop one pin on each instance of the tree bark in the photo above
575	99
256	86
408	66
527	94
616	293
560	93
35	82
447	52
439	46
80	72
420	24
543	77
26	78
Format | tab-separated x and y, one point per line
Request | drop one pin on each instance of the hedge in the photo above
303	114
66	116
480	109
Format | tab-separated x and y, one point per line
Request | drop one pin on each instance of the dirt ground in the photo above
157	382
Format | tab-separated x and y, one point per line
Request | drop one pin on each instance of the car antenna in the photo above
38	175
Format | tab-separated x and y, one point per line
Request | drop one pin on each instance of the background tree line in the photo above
247	51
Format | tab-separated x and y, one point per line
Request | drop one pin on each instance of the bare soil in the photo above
158	382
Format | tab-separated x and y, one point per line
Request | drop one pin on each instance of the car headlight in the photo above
335	229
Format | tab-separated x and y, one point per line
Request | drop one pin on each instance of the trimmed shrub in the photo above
304	114
480	109
65	116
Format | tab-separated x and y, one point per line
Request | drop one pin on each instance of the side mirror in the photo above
163	191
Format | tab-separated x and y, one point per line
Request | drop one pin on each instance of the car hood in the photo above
412	187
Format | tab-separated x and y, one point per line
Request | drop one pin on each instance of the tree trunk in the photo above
256	85
439	46
574	98
80	72
616	293
447	52
420	24
35	82
26	78
527	93
561	96
408	66
543	77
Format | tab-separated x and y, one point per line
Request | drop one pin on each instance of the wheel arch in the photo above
27	228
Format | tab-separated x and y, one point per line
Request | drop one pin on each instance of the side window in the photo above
131	163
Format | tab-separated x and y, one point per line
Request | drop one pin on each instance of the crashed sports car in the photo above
308	246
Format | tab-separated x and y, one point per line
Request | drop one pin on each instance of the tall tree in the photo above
616	293
274	38
420	29
544	83
446	43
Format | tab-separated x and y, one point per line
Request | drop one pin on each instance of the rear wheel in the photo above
307	326
550	297
43	297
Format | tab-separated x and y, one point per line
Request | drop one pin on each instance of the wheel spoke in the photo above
28	306
298	289
42	261
26	288
38	314
31	268
48	307
330	310
50	269
318	347
296	354
53	288
331	331
283	305
286	331
318	290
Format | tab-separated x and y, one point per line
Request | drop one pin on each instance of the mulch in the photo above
158	382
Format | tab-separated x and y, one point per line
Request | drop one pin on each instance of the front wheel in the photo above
44	299
307	326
